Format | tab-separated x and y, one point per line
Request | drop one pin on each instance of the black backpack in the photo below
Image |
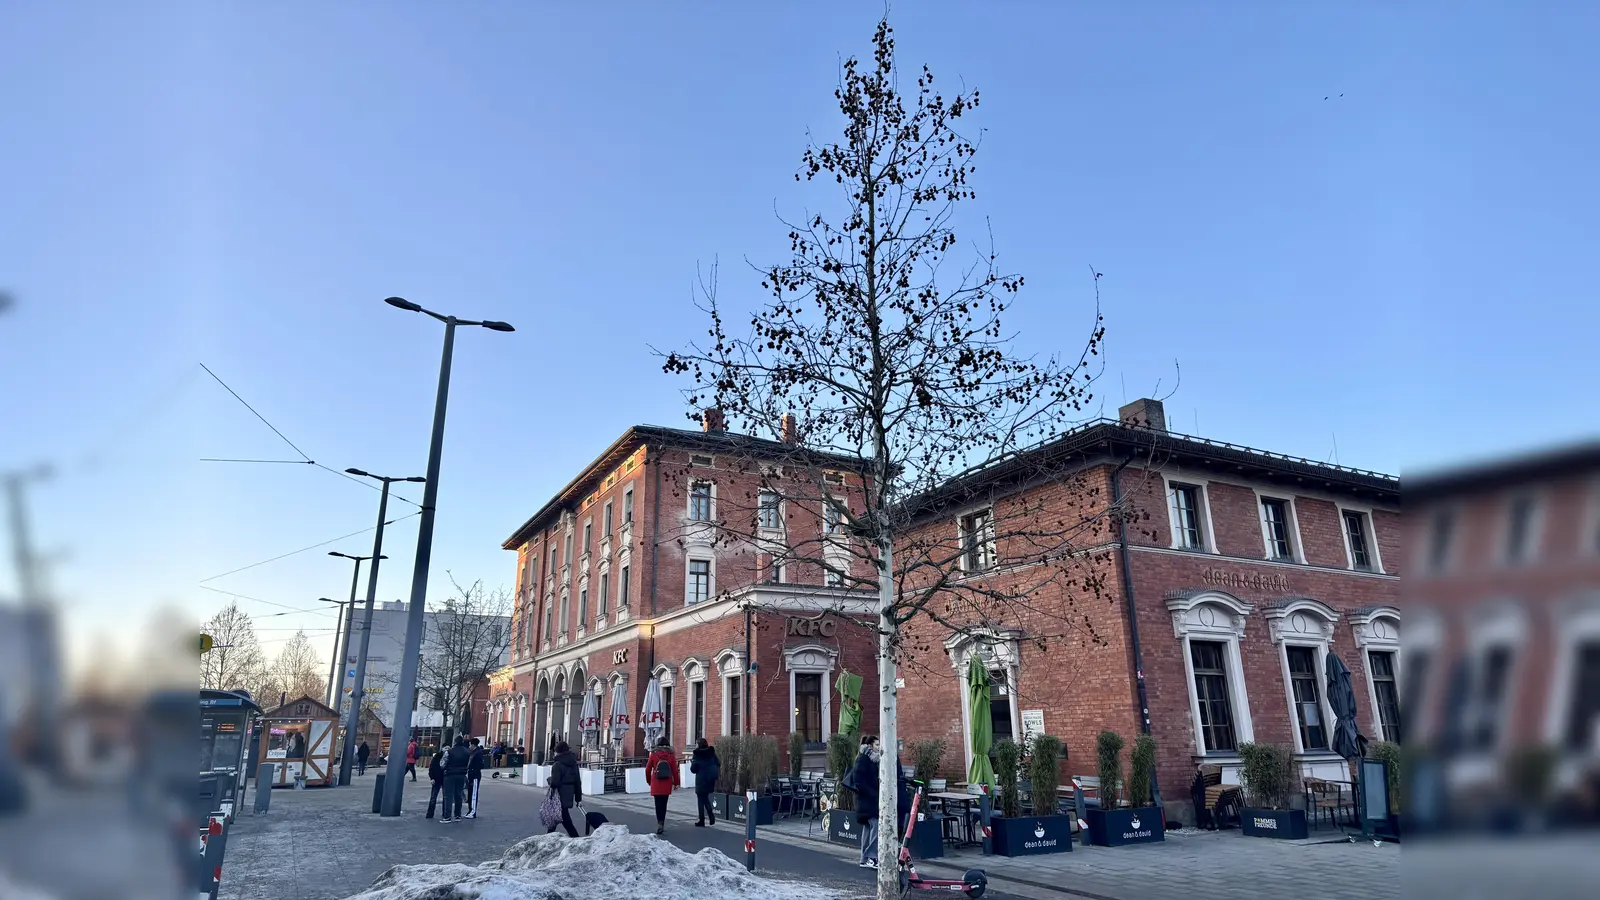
663	771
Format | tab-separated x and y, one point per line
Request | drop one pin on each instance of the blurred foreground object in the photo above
1501	681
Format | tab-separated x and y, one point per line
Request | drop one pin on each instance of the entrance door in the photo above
1000	707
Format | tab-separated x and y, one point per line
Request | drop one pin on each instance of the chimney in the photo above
712	421
789	429
1144	413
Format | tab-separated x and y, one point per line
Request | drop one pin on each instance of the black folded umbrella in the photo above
1342	698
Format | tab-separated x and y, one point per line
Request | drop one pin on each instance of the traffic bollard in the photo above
750	830
265	775
377	791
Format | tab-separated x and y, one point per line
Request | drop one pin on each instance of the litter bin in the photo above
516	760
377	791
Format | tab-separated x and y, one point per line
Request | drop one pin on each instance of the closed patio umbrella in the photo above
589	719
849	688
619	720
651	719
1342	699
981	771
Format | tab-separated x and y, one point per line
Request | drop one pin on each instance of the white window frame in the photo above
1297	552
603	607
1001	653
694	673
711	501
1219	617
761	524
624	585
1576	621
1305	623
1535	535
1497	624
710	559
811	659
1208	539
608	520
730	665
1365	512
1377	630
1452	550
629	509
988	553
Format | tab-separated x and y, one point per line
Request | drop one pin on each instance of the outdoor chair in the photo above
804	799
1326	796
1218	803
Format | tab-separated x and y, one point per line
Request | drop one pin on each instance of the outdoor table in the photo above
966	802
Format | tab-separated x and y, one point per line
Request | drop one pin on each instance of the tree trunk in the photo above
888	731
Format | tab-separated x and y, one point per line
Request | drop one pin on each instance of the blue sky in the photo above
1396	269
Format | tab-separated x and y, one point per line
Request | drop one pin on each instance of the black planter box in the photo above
927	841
719	804
763	809
1118	827
1283	824
1032	835
843	827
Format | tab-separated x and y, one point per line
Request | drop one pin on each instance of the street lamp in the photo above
343	646
405	695
352	719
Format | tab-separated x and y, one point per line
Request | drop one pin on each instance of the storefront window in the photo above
808	706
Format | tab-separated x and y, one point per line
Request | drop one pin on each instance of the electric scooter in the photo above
972	882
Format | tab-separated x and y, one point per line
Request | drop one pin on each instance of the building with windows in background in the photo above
1235	573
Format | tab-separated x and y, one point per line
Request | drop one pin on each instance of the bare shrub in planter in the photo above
797	753
1008	755
1108	763
927	756
1141	771
1268	774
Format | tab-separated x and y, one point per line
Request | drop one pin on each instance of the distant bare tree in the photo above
295	672
467	639
236	660
898	368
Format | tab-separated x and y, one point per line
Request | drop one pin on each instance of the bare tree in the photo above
295	672
467	639
897	366
235	661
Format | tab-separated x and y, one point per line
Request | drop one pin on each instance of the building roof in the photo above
1546	465
679	438
1111	438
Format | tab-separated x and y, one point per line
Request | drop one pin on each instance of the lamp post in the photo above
405	694
340	634
352	719
343	646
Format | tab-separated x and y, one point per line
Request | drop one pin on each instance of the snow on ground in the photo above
611	864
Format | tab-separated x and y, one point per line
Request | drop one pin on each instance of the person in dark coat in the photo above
362	752
456	764
474	776
705	766
435	780
903	796
564	779
864	782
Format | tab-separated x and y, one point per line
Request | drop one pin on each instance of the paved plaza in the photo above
325	845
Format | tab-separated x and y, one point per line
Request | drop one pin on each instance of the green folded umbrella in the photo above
849	688
982	772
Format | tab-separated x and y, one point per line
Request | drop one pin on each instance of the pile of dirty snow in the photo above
610	864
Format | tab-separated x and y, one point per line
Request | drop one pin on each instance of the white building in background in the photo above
384	653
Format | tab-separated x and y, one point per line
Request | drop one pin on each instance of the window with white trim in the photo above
622	591
583	607
1386	689
1441	538
1186	504
1520	530
1304	685
1215	698
607	520
1490	691
588	536
627	505
733	688
699	580
605	595
700	501
977	540
565	602
1277	525
697	710
769	513
549	617
1357	528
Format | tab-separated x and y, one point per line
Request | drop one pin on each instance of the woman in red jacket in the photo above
661	771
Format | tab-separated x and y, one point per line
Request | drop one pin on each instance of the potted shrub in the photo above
839	816
1046	831
758	764
730	757
926	757
1268	775
1139	822
797	753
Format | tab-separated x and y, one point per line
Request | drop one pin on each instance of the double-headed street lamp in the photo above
410	661
352	719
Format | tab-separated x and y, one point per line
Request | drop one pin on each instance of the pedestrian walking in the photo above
456	763
565	781
661	770
475	776
435	780
411	758
863	780
362	752
705	767
522	755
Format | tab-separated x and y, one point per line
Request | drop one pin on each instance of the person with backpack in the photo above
863	780
705	767
474	776
564	780
661	770
435	780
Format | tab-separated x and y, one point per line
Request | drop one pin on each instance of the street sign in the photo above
206	643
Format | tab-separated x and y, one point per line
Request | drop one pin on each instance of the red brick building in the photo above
630	573
1503	590
1242	571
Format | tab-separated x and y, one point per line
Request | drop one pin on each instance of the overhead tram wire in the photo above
312	547
257	414
292	610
